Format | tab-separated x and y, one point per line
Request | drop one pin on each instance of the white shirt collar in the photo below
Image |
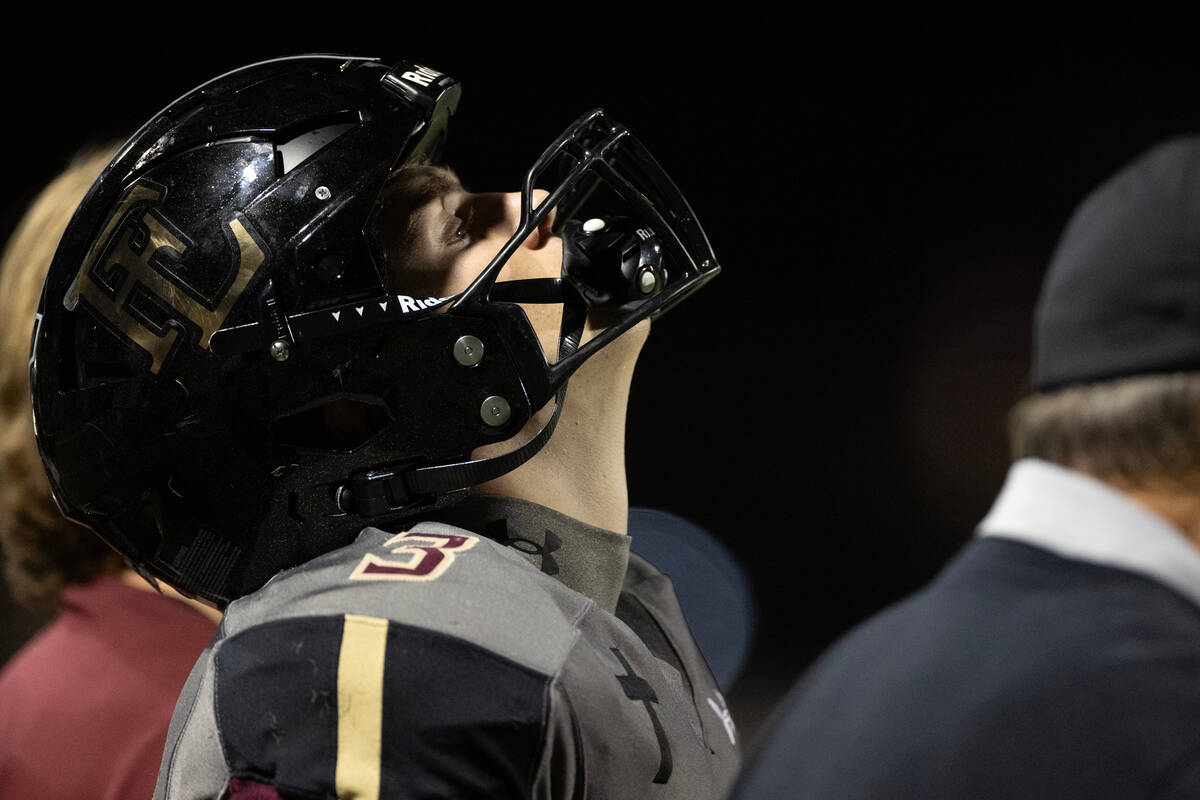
1079	517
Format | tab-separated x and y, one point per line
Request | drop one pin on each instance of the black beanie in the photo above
1122	294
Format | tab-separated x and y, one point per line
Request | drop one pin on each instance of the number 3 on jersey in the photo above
422	557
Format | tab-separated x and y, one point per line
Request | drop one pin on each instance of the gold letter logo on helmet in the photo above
122	258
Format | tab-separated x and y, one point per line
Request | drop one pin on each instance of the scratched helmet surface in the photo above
225	384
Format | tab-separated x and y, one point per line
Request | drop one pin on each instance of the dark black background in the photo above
832	407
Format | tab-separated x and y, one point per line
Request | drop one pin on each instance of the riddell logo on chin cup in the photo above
613	260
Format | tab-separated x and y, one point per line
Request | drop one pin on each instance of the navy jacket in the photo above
1015	674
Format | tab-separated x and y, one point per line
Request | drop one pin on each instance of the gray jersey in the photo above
522	655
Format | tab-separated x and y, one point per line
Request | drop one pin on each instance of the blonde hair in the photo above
43	552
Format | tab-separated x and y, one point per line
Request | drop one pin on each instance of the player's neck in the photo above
581	470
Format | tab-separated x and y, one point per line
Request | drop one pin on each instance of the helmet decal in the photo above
121	269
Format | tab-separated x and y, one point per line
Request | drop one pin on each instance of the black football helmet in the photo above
222	287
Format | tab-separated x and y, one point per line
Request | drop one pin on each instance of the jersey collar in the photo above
590	560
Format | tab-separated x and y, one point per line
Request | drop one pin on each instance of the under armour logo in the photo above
497	530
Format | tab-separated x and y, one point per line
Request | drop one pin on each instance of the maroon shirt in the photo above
84	706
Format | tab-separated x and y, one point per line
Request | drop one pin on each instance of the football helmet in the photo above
220	295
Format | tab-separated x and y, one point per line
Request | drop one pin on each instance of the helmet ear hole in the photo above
339	424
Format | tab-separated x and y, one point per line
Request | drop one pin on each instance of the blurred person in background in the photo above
1058	655
84	706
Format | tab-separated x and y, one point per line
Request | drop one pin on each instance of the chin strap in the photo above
380	492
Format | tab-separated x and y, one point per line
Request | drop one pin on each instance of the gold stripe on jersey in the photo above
360	707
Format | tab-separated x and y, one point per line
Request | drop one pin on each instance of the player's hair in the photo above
1138	430
42	551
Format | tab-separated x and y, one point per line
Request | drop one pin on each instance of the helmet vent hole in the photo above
300	148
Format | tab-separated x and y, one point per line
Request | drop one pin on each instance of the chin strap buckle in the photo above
386	492
373	493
